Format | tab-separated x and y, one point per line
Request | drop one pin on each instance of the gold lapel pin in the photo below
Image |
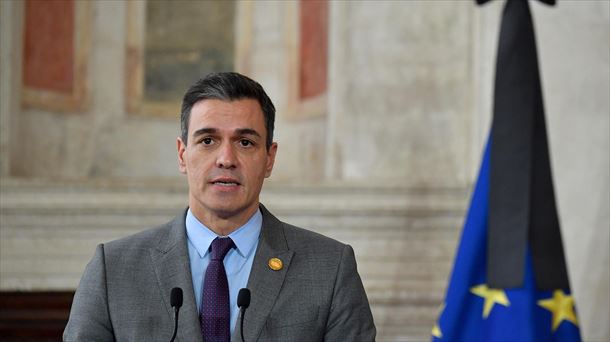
275	264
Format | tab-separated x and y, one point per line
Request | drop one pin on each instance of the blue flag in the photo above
510	280
473	311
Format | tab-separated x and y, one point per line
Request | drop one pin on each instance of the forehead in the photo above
214	113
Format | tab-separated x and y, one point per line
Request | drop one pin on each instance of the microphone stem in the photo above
175	325
241	329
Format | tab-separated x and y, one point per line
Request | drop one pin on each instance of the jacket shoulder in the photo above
299	238
142	240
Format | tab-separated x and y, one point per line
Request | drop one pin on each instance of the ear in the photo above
181	149
270	159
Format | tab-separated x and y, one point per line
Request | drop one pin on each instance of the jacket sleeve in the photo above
89	316
350	316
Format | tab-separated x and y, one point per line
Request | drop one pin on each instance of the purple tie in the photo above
215	314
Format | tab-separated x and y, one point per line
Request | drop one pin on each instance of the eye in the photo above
207	141
245	143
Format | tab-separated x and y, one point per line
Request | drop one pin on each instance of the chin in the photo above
225	211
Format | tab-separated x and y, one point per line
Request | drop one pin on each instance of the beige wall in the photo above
575	41
401	93
10	78
409	103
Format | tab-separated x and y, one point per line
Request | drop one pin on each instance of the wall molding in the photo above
404	238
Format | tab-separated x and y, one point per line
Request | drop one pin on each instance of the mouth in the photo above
227	182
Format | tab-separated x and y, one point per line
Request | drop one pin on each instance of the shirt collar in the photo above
244	237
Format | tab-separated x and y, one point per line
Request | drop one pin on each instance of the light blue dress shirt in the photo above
238	261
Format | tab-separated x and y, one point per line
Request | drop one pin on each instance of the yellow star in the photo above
562	307
492	296
436	330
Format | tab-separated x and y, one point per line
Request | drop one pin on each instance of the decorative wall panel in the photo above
55	52
170	45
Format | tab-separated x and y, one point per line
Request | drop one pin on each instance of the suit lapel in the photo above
265	283
172	269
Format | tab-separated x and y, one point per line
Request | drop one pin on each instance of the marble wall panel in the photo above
11	15
574	53
48	45
50	230
401	89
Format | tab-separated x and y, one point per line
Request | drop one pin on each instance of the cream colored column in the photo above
11	14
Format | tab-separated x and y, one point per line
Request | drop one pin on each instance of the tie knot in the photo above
220	248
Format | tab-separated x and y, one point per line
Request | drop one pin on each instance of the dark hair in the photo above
227	86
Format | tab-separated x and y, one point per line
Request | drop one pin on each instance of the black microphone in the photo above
175	300
243	301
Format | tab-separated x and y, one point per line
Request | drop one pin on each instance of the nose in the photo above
226	158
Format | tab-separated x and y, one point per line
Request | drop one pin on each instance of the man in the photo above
304	286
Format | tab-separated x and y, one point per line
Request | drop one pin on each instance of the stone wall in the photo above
404	239
403	123
401	89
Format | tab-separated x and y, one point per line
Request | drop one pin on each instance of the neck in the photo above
223	224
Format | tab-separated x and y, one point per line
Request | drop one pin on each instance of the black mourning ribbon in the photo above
548	2
521	196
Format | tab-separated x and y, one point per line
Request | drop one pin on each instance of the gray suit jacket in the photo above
317	295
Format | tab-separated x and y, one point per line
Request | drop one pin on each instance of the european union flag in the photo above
509	281
474	311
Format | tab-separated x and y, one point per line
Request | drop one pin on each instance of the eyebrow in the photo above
247	131
239	131
203	131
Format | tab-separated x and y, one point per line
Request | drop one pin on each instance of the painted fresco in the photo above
183	41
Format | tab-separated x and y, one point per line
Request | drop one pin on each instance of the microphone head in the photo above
243	298
175	298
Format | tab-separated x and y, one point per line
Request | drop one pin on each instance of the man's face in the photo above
225	159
